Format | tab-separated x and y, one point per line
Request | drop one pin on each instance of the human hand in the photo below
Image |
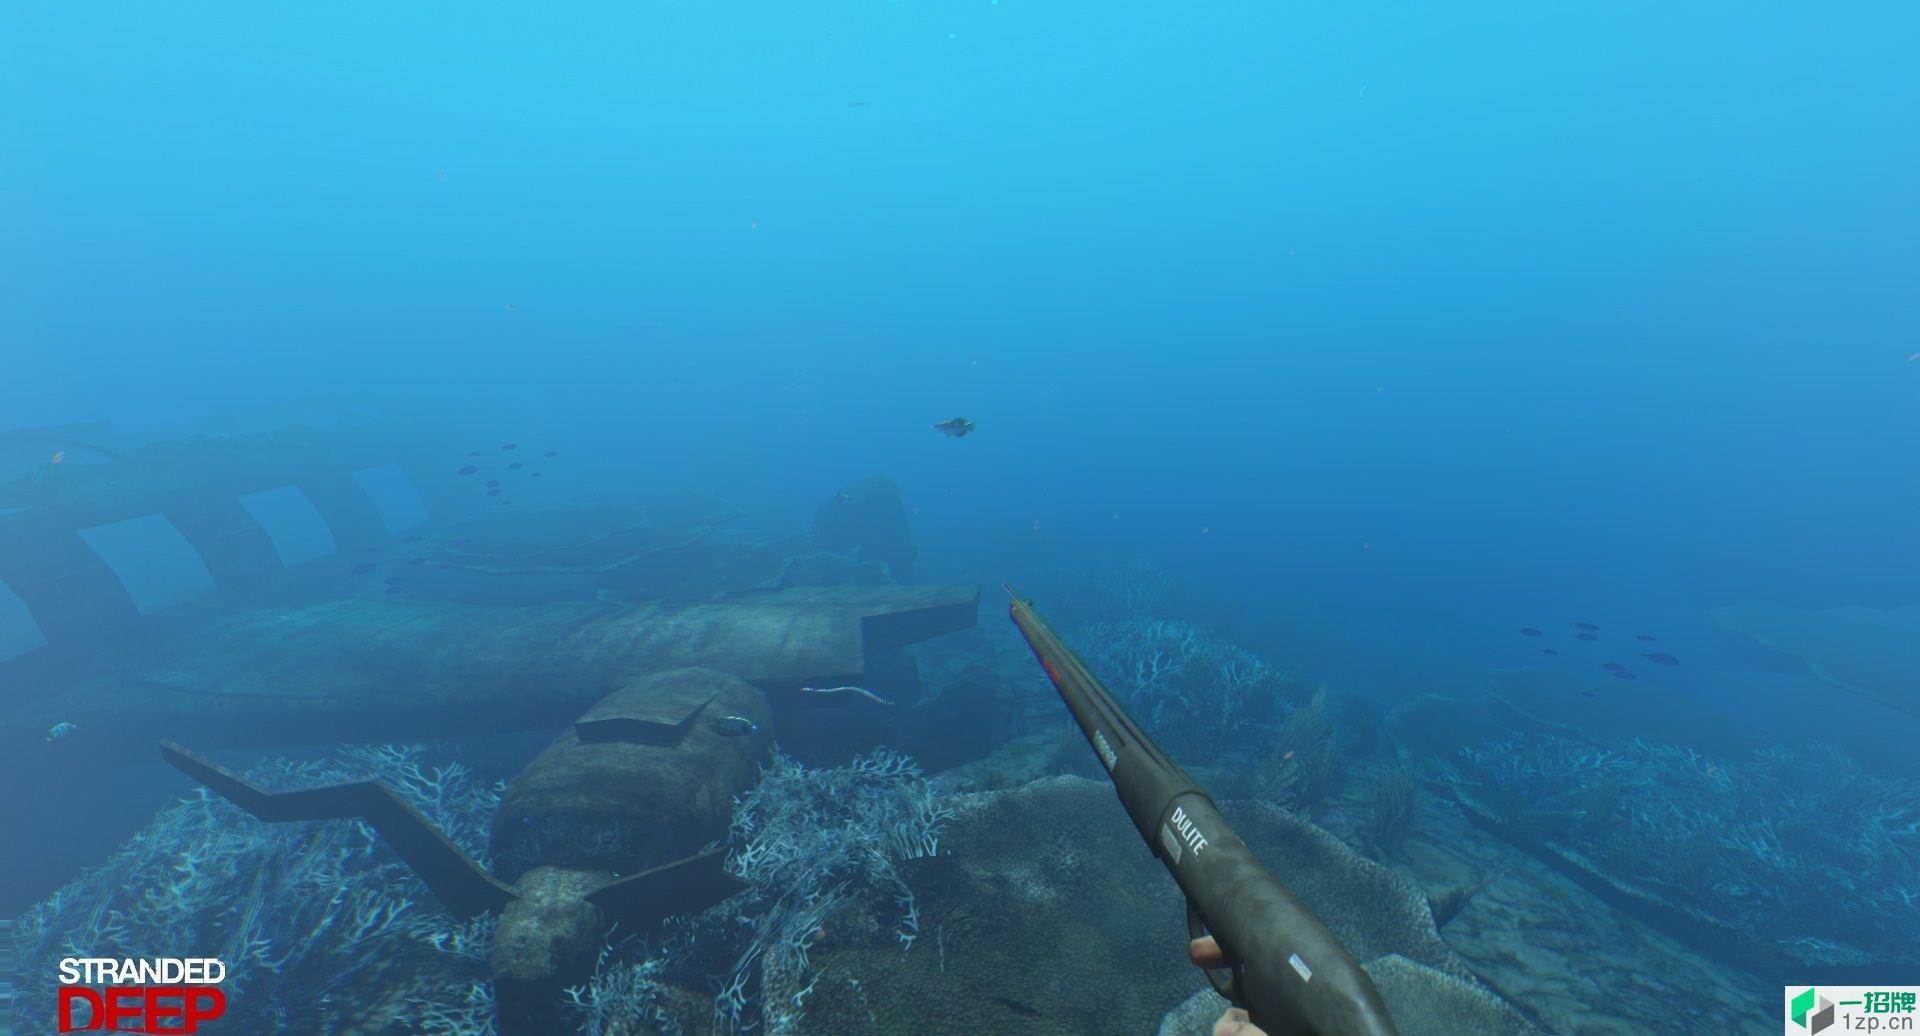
1205	952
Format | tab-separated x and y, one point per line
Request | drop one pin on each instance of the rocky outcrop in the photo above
1044	913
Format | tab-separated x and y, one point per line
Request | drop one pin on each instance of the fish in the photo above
61	730
392	580
462	541
1646	637
734	726
954	427
411	539
1529	631
509	446
468	470
503	502
1615	666
58	456
538	475
821	693
416	561
1622	674
395	588
363	568
1588	626
1588	694
1661	657
1548	651
552	454
493	492
492	482
515	466
1585	636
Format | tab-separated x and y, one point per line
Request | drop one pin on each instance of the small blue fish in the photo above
61	730
734	726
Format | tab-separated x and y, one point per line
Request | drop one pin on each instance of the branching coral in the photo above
810	843
626	987
300	913
805	840
1195	693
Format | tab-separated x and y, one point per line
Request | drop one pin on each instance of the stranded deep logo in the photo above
162	996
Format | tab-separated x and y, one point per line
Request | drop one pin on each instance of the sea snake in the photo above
861	691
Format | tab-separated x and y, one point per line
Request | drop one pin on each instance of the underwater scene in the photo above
959	516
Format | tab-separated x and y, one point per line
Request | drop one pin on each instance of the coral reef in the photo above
1795	854
1044	914
321	926
1393	811
1300	769
817	847
1198	695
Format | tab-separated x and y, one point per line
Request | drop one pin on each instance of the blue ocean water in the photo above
1385	329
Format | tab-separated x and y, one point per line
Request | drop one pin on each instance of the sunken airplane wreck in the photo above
376	670
616	821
